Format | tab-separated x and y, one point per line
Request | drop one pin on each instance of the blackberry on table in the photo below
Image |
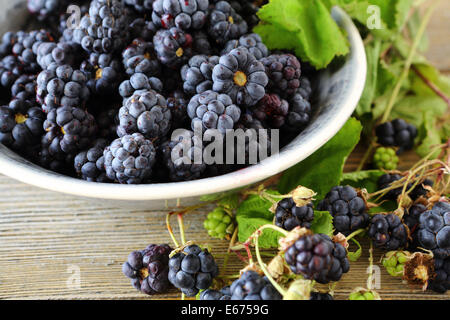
145	112
148	269
89	164
173	47
225	24
434	228
316	257
197	74
177	102
139	82
284	71
192	270
441	281
273	110
388	232
60	53
211	110
252	42
386	180
61	86
412	221
251	286
130	159
299	115
347	208
210	294
103	73
241	76
140	57
288	215
183	156
397	133
183	14
104	29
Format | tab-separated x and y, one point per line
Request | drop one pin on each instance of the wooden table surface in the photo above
49	240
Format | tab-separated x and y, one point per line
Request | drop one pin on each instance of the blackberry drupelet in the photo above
139	82
177	102
347	208
192	270
146	112
130	159
441	281
7	43
104	29
173	47
252	42
288	215
141	6
388	232
225	24
412	221
211	110
61	86
299	115
251	286
148	269
23	93
60	53
183	14
143	29
387	179
397	133
183	156
103	72
284	71
10	70
89	164
202	45
241	76
140	57
305	89
434	229
316	257
209	294
197	74
272	110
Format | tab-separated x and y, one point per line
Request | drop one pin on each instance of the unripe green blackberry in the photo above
385	158
219	224
362	295
394	262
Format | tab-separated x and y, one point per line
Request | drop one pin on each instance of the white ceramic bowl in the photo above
338	94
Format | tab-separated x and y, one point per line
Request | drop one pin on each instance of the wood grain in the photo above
44	236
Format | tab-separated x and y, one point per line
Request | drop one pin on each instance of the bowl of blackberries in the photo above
160	102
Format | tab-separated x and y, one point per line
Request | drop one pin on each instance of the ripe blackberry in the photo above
252	42
173	47
183	156
10	70
45	9
177	102
146	112
299	115
103	73
387	179
89	164
320	296
8	40
241	76
108	120
104	29
139	82
183	14
284	72
251	286
23	93
141	6
130	159
209	294
434	229
305	89
316	257
412	220
69	130
140	57
249	121
288	215
397	133
225	24
347	208
211	110
60	53
148	269
143	29
219	224
21	128
273	110
192	270
197	74
385	158
201	44
388	232
61	86
441	281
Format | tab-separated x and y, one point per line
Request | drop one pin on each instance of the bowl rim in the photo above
20	169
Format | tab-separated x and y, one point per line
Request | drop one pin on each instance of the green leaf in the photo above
230	202
354	256
362	179
322	223
323	170
303	26
429	136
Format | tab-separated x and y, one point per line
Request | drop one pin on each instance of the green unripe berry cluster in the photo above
385	158
367	295
394	262
219	223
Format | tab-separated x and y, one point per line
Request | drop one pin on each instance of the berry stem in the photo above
169	228
181	226
354	234
366	156
227	256
370	278
432	86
